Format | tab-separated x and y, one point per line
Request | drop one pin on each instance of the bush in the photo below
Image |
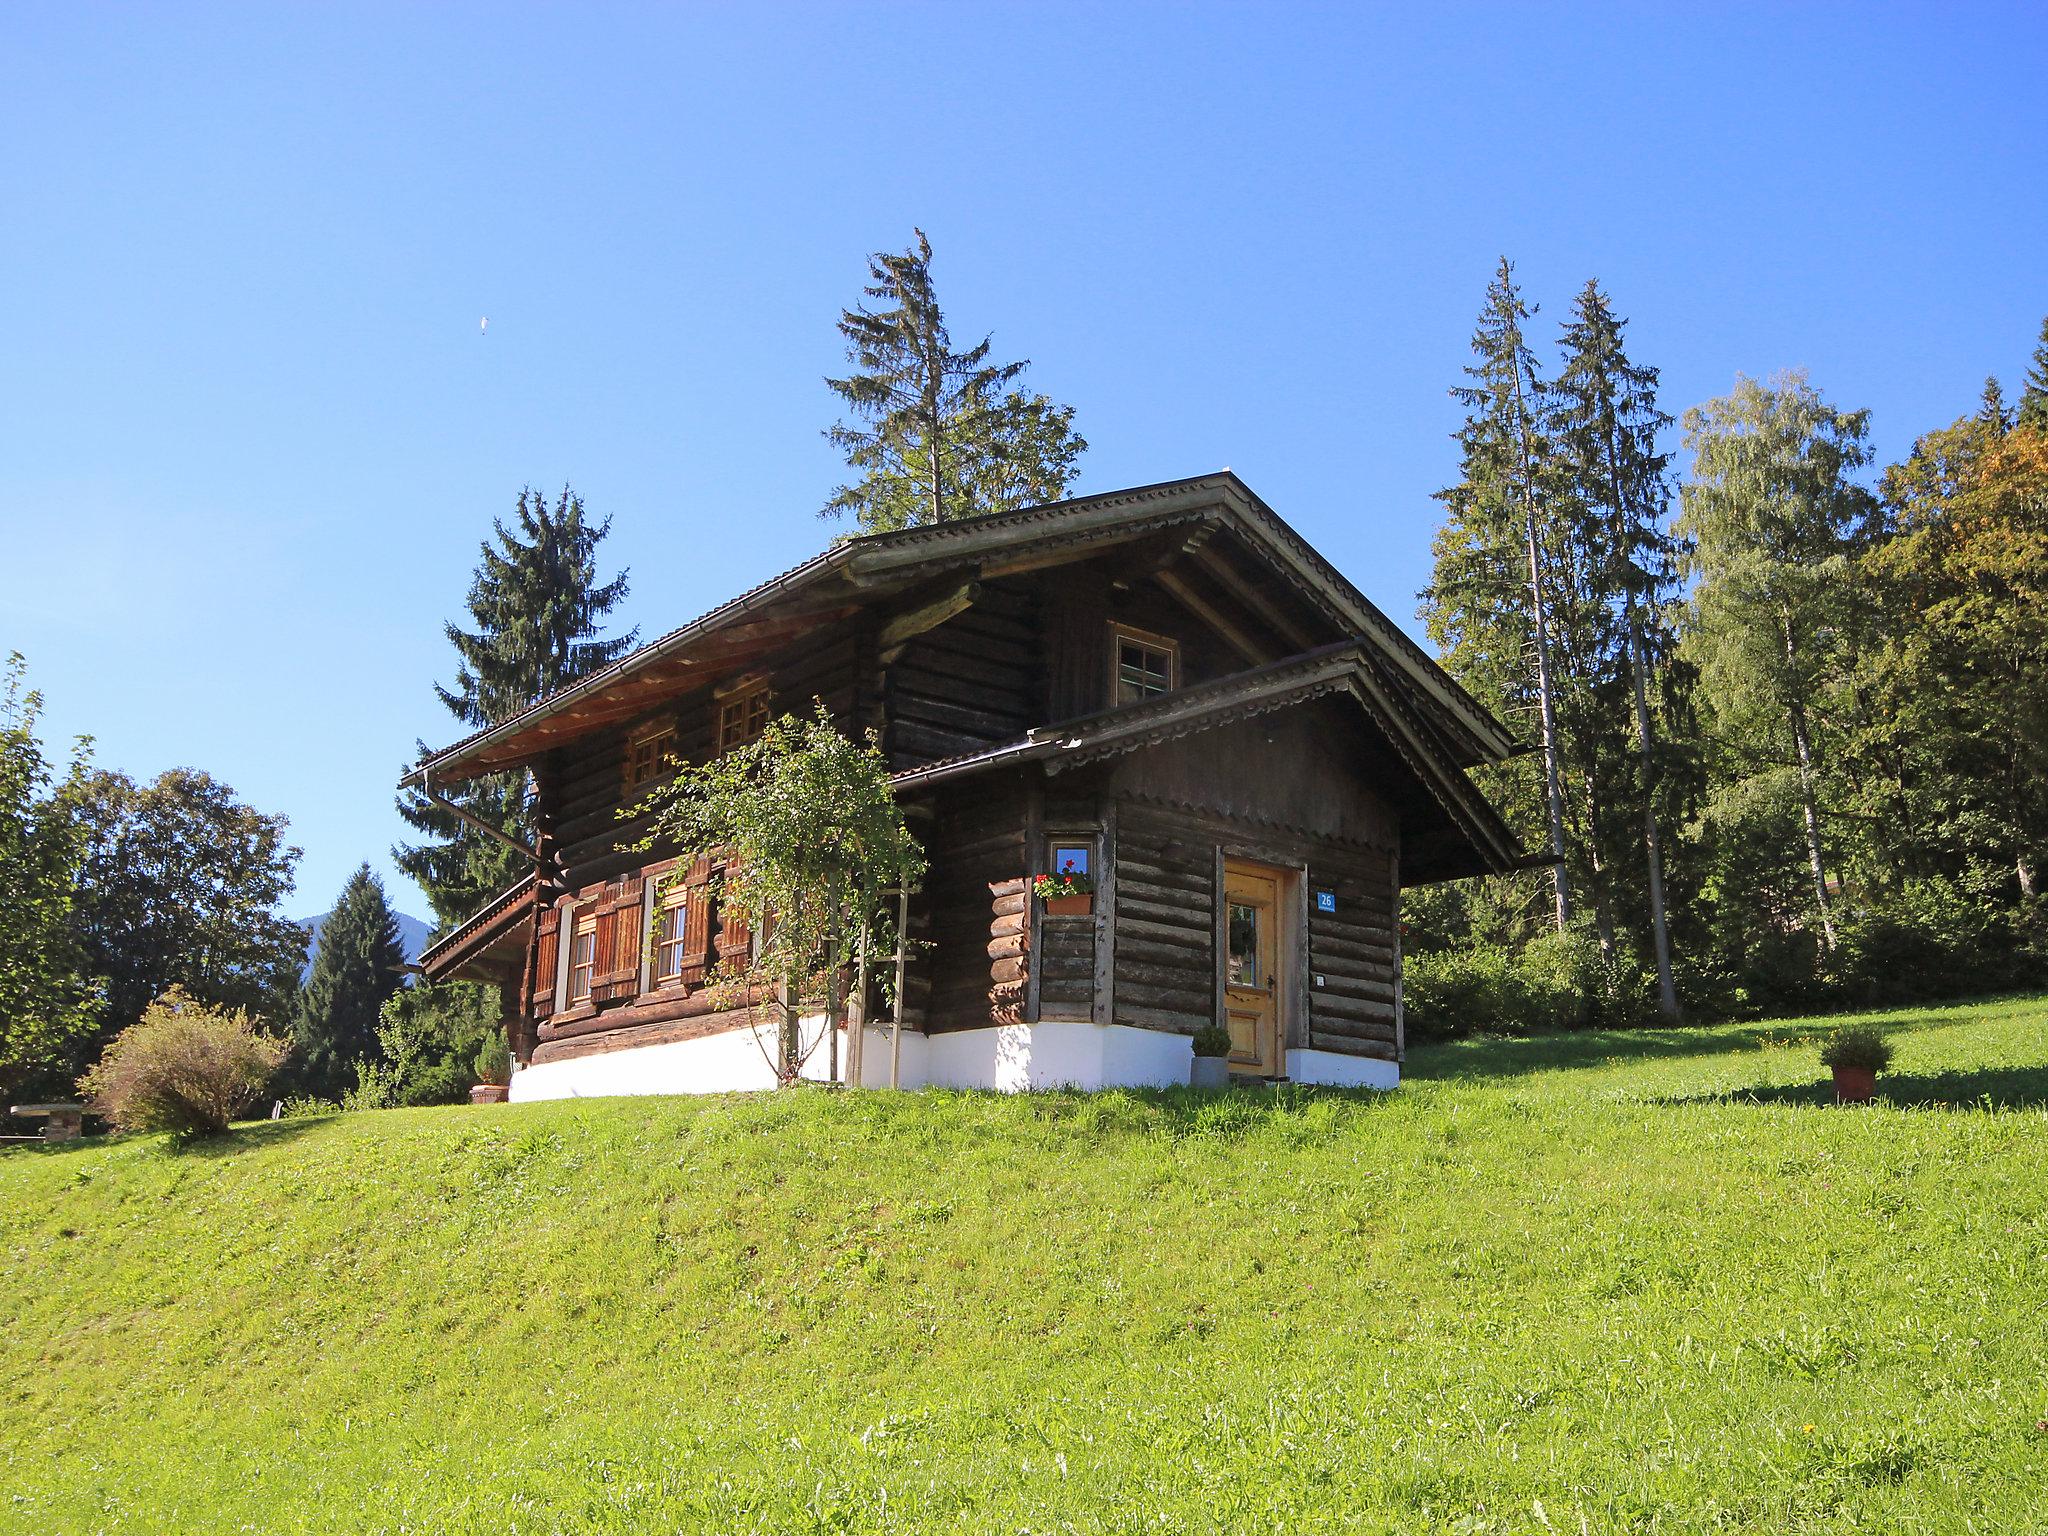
184	1067
1931	939
431	1035
1557	981
1212	1040
494	1062
1857	1046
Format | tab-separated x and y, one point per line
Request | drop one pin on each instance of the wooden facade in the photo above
1169	679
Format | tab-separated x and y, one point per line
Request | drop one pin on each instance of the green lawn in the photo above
1645	1282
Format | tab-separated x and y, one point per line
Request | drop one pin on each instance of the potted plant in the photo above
1856	1055
1070	893
493	1072
1212	1057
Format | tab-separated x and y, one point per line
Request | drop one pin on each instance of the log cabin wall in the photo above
1165	918
1282	789
974	681
976	907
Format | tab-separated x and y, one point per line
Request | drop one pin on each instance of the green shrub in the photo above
1857	1046
1556	981
183	1067
305	1106
1934	938
494	1062
1212	1040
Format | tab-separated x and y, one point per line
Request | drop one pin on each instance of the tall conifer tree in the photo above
1607	425
938	434
2033	411
538	605
1488	605
359	963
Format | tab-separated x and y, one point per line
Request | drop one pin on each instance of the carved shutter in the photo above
735	939
615	970
548	944
696	922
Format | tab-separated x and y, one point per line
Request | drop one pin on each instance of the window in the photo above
742	715
669	920
1143	665
1242	937
1072	858
582	955
647	755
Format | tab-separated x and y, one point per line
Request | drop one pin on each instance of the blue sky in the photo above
251	434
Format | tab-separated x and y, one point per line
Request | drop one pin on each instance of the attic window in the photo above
647	754
742	715
1142	665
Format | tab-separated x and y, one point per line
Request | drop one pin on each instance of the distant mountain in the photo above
412	933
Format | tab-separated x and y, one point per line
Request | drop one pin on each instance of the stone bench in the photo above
61	1122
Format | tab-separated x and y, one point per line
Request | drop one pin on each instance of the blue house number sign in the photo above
1326	901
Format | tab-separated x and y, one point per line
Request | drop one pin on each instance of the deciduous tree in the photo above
180	888
48	1011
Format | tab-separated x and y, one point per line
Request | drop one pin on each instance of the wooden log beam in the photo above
1188	597
1253	600
905	627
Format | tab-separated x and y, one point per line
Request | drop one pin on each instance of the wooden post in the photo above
857	1015
896	1013
832	1009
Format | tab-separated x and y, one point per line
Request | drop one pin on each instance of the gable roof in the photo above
1346	670
860	571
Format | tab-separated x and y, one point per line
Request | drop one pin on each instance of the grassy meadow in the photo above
1595	1283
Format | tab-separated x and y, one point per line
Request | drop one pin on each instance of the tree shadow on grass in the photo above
246	1136
1988	1088
1512	1057
1462	1060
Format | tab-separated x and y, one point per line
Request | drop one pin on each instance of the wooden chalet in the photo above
1166	687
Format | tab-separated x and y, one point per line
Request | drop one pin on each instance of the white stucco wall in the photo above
1009	1057
1016	1057
1012	1058
1335	1070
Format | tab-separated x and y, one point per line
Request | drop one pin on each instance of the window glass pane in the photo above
1141	671
1244	946
1070	858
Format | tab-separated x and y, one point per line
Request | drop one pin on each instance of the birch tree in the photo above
1775	520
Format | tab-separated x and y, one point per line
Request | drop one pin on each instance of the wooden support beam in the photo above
1255	601
905	627
1255	654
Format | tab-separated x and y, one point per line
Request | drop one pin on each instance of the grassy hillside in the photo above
1603	1283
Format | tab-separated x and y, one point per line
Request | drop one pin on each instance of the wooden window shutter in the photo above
547	942
615	970
696	921
735	939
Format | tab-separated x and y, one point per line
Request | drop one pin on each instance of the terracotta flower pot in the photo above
1210	1072
1854	1085
488	1093
1069	906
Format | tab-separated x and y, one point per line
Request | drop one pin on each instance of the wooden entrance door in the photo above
1251	966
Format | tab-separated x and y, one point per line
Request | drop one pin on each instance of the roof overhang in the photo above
1348	670
861	570
486	941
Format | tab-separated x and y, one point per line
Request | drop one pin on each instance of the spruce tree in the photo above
1488	606
2033	411
537	604
938	434
359	963
1607	425
1991	409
